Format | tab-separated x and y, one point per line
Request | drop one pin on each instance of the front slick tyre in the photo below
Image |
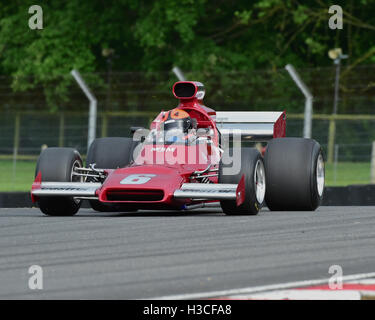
105	207
252	167
57	165
59	207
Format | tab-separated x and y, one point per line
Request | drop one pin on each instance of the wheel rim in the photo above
260	181
320	178
73	176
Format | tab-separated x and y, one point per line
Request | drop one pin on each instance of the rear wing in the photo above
253	126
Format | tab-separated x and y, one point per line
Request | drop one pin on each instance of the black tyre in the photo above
101	207
294	174
110	153
252	167
56	165
108	207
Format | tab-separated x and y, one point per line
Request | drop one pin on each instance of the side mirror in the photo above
134	129
139	133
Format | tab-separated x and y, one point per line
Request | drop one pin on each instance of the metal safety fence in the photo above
24	134
40	116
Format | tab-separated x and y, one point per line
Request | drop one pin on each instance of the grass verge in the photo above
19	176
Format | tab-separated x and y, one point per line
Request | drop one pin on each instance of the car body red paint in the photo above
149	184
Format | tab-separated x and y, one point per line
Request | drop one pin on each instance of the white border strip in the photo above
300	294
240	291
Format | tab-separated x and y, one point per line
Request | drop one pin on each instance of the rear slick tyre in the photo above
294	174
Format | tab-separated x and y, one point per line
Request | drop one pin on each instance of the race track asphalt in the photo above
155	254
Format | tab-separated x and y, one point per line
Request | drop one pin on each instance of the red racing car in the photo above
191	157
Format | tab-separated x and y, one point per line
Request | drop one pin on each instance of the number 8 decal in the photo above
137	178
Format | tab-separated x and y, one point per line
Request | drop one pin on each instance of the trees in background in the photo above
202	36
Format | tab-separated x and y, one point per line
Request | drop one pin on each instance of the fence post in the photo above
331	140
16	138
16	142
104	124
179	74
308	100
91	134
335	164
61	130
373	163
150	119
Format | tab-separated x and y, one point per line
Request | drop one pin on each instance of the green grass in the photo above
18	178
22	177
348	173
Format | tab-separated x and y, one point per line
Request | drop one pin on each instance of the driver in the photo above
178	126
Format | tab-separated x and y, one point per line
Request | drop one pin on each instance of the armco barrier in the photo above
355	195
21	200
15	200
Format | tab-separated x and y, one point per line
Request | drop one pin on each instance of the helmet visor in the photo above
177	124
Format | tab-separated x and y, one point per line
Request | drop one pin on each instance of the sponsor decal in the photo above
163	149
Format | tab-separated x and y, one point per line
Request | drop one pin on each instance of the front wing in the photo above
189	191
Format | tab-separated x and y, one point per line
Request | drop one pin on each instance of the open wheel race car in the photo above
190	158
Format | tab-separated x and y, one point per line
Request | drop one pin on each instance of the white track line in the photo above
299	294
241	291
